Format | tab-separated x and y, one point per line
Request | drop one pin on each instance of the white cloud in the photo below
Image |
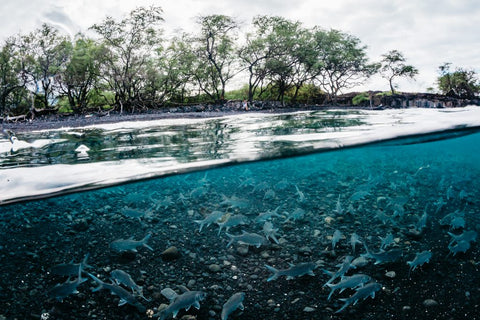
428	32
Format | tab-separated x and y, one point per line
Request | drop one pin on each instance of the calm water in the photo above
374	191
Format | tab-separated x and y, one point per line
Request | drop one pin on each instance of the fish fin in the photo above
121	302
196	304
274	276
311	273
148	247
241	306
329	273
289	278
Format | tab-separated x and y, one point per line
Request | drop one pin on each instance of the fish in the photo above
264	216
338	208
178	302
63	290
383	256
419	260
233	303
297	214
386	241
362	293
132	213
251	239
121	277
348	282
301	196
343	268
232	221
354	239
270	232
234	202
70	269
461	246
211	218
422	221
298	270
122	245
337	235
468	236
125	296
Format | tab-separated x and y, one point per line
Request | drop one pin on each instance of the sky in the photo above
427	32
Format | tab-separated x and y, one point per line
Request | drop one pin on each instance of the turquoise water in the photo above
372	191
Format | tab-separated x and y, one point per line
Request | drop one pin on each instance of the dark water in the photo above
372	191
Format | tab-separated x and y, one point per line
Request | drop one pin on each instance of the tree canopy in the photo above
461	83
393	66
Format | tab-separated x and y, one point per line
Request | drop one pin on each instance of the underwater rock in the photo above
170	254
214	267
80	225
309	309
430	303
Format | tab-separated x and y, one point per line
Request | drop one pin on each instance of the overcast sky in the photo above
427	32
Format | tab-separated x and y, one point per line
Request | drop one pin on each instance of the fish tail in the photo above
144	241
274	276
200	223
347	303
231	239
100	282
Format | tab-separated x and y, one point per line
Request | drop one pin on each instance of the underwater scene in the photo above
387	230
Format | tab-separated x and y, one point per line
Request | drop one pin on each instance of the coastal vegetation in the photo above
129	65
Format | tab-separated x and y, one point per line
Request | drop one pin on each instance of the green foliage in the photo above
360	98
393	66
63	106
461	82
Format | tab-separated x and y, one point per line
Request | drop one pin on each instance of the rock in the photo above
242	250
308	309
214	268
430	303
406	308
170	254
390	274
80	225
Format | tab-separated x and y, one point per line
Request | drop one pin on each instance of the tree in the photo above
81	72
460	83
216	53
12	79
393	66
43	52
342	61
129	45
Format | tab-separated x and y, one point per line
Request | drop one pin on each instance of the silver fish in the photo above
233	303
383	256
70	269
303	268
178	302
420	259
211	218
125	296
354	239
251	239
362	293
61	291
232	221
121	277
337	235
343	268
270	232
348	282
122	245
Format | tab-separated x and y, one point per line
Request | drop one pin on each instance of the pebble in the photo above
430	303
329	220
406	308
170	254
390	274
242	250
308	309
214	267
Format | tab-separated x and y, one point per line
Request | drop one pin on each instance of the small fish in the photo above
232	221
233	303
251	239
70	269
468	236
234	202
338	207
460	246
362	293
178	302
343	269
121	277
297	214
270	232
386	241
264	216
422	221
125	296
354	239
211	218
383	256
301	196
132	213
337	235
303	268
61	291
419	260
122	245
348	282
